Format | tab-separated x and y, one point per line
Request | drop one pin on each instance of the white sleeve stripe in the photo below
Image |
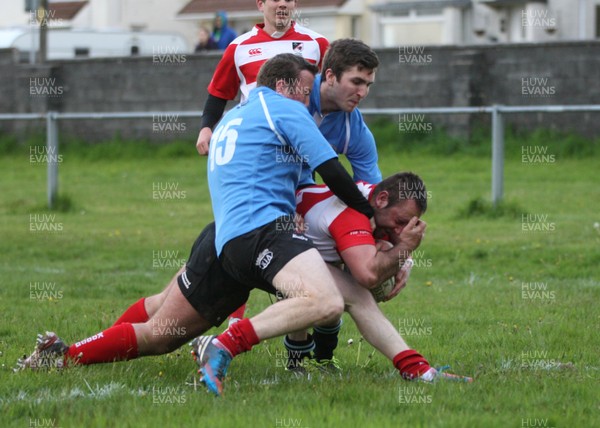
268	116
345	151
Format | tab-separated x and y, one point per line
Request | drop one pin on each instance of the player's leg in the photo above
175	322
299	346
313	298
381	334
315	349
237	315
287	262
371	322
194	302
142	310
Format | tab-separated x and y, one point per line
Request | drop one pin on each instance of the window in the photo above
82	52
598	22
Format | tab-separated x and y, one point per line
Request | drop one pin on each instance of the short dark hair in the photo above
343	54
286	67
402	187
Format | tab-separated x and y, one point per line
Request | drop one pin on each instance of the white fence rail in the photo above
497	112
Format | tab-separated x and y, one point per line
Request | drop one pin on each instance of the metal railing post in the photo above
497	155
52	157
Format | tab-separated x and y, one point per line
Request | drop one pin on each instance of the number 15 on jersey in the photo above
222	145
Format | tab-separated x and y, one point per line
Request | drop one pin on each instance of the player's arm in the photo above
338	180
211	114
370	266
224	86
362	152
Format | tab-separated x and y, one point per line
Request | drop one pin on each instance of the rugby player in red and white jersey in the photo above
242	59
342	235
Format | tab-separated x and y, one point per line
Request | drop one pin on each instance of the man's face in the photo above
392	220
346	93
298	89
277	13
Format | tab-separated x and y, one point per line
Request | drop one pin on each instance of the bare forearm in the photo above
371	265
386	263
383	264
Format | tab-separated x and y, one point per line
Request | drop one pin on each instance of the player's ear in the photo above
281	87
382	199
329	77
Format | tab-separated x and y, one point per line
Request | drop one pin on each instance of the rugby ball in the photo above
388	285
383	289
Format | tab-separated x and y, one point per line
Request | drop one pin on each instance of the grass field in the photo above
511	300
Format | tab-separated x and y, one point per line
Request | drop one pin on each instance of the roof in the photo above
394	6
211	6
65	10
500	3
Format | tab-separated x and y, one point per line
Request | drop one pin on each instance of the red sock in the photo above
411	364
136	313
116	343
239	337
239	312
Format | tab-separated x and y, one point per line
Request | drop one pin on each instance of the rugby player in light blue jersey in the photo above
255	162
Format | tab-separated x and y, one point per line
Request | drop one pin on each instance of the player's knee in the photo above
331	308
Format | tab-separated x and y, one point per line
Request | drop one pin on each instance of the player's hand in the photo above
203	141
413	233
401	279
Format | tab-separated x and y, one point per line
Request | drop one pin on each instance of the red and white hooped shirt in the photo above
243	58
330	223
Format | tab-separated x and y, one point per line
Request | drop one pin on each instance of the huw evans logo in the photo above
414	55
167	55
45	87
44	154
537	87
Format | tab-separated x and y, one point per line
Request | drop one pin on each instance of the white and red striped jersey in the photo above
330	223
242	59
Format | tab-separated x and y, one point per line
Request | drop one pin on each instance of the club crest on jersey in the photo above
264	258
298	47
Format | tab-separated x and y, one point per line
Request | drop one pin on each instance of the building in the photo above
380	23
482	21
105	15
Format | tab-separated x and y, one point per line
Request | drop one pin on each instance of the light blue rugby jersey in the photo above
255	161
347	134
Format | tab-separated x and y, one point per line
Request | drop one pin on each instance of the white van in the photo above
66	43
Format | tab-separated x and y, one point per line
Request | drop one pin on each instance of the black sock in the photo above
326	340
297	350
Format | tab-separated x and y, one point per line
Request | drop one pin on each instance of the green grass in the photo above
466	294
